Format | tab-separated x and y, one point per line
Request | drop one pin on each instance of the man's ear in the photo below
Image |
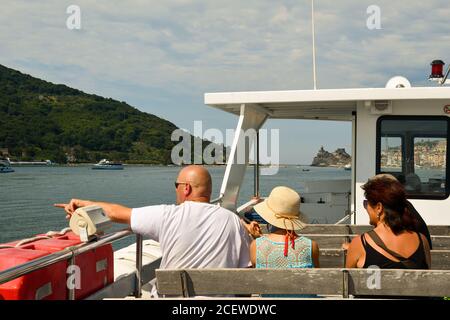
187	190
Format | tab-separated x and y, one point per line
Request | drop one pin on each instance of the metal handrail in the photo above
138	279
216	200
347	216
69	254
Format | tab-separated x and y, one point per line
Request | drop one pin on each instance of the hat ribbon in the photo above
290	234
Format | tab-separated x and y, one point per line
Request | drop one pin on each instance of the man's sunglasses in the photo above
178	183
365	202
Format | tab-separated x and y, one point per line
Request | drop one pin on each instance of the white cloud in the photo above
281	16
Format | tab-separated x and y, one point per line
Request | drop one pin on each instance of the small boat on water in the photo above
32	163
348	167
5	166
107	165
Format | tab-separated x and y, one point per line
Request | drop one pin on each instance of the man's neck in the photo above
199	199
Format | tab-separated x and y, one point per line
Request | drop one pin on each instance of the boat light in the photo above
437	67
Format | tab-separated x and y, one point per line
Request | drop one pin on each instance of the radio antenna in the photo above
313	45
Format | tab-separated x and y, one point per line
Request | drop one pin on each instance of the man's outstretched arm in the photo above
115	212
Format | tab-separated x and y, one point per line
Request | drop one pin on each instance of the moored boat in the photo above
107	165
5	166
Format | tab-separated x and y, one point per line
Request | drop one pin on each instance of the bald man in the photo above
193	233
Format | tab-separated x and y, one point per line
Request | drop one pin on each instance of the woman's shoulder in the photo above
424	240
265	238
308	242
304	239
356	242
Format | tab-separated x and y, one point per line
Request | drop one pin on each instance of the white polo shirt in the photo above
194	235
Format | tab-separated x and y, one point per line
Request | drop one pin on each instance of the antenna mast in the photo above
313	45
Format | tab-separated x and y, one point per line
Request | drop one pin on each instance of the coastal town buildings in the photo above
427	154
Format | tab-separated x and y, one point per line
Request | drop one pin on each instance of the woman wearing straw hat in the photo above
282	247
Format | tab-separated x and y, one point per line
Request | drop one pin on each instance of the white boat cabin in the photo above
400	130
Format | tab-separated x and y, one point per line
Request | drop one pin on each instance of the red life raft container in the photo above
95	269
47	283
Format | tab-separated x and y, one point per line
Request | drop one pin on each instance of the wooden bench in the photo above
324	282
335	258
345	229
335	241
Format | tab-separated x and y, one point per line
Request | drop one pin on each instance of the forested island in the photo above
41	120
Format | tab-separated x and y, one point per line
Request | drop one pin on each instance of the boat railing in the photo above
346	217
249	204
216	200
69	255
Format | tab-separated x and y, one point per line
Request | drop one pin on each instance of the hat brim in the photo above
267	214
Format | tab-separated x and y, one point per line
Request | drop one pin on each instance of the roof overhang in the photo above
327	104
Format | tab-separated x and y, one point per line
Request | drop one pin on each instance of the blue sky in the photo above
162	56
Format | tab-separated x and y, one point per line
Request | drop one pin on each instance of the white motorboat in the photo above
5	166
107	165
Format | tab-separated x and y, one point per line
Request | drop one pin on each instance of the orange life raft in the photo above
96	269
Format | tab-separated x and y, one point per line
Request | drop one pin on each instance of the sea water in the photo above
28	194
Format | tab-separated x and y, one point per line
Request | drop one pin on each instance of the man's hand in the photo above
73	205
257	199
252	228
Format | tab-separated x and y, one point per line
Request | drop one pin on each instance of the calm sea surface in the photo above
28	194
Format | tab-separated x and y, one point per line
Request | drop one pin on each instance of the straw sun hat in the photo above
282	209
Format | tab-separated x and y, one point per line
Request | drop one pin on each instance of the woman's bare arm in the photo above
354	253
315	254
253	253
426	248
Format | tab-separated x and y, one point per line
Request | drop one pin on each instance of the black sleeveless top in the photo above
373	257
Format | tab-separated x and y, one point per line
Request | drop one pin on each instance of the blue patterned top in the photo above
270	254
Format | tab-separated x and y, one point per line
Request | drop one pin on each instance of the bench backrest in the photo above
335	281
345	229
335	241
335	258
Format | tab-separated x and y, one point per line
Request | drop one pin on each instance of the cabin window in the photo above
415	150
391	154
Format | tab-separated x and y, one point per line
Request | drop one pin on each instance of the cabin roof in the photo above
331	104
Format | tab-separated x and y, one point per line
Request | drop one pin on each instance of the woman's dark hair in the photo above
388	191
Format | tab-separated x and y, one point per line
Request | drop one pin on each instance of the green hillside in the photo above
41	120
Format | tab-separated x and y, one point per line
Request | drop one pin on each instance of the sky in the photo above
163	56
